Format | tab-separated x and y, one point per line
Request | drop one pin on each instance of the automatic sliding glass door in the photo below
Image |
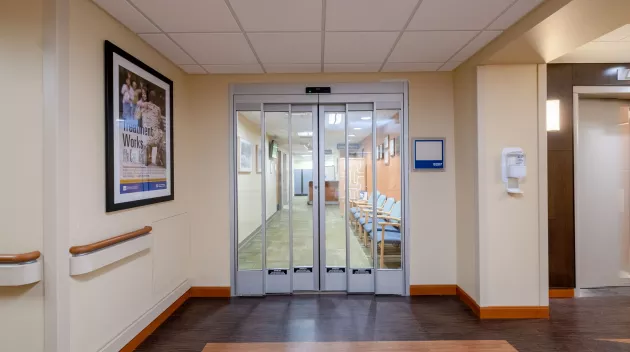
343	230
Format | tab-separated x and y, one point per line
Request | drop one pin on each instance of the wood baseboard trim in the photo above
211	291
561	292
502	312
142	335
469	301
514	313
433	290
199	291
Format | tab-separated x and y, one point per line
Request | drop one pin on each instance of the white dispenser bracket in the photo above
513	168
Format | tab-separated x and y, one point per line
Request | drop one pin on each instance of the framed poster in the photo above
392	146
139	167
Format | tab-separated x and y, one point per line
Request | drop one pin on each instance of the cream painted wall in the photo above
432	195
21	139
466	180
509	255
128	289
602	192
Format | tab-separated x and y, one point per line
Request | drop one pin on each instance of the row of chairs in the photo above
388	213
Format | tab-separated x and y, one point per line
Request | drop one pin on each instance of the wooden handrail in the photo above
19	258
76	250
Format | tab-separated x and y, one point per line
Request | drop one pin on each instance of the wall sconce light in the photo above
553	115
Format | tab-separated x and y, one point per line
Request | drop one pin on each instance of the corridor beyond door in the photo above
250	255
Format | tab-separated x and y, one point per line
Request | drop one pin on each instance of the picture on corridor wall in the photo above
259	159
392	146
139	132
245	156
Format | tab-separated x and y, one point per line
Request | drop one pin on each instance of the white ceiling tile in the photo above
475	45
193	69
450	66
410	67
288	48
278	15
457	14
216	48
352	67
222	69
368	15
297	68
358	47
127	15
433	46
189	15
619	34
168	48
514	13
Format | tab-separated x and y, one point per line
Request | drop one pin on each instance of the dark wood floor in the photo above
576	324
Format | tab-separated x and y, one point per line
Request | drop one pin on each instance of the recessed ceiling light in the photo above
305	134
366	118
351	135
357	128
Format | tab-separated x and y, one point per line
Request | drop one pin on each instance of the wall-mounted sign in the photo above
428	154
353	146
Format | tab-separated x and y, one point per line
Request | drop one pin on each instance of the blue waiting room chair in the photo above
367	212
387	230
367	207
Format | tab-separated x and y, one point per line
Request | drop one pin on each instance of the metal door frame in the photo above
386	281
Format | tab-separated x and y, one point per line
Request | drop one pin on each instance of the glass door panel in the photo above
277	237
361	198
359	170
277	226
249	199
389	183
389	234
332	124
249	190
304	203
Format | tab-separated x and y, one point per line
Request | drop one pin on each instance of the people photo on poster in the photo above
139	132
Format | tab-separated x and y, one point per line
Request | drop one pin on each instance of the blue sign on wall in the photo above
428	154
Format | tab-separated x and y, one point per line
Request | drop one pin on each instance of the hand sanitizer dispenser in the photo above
514	169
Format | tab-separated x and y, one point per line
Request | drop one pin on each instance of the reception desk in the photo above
331	189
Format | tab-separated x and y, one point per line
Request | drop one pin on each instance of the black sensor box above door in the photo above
317	90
